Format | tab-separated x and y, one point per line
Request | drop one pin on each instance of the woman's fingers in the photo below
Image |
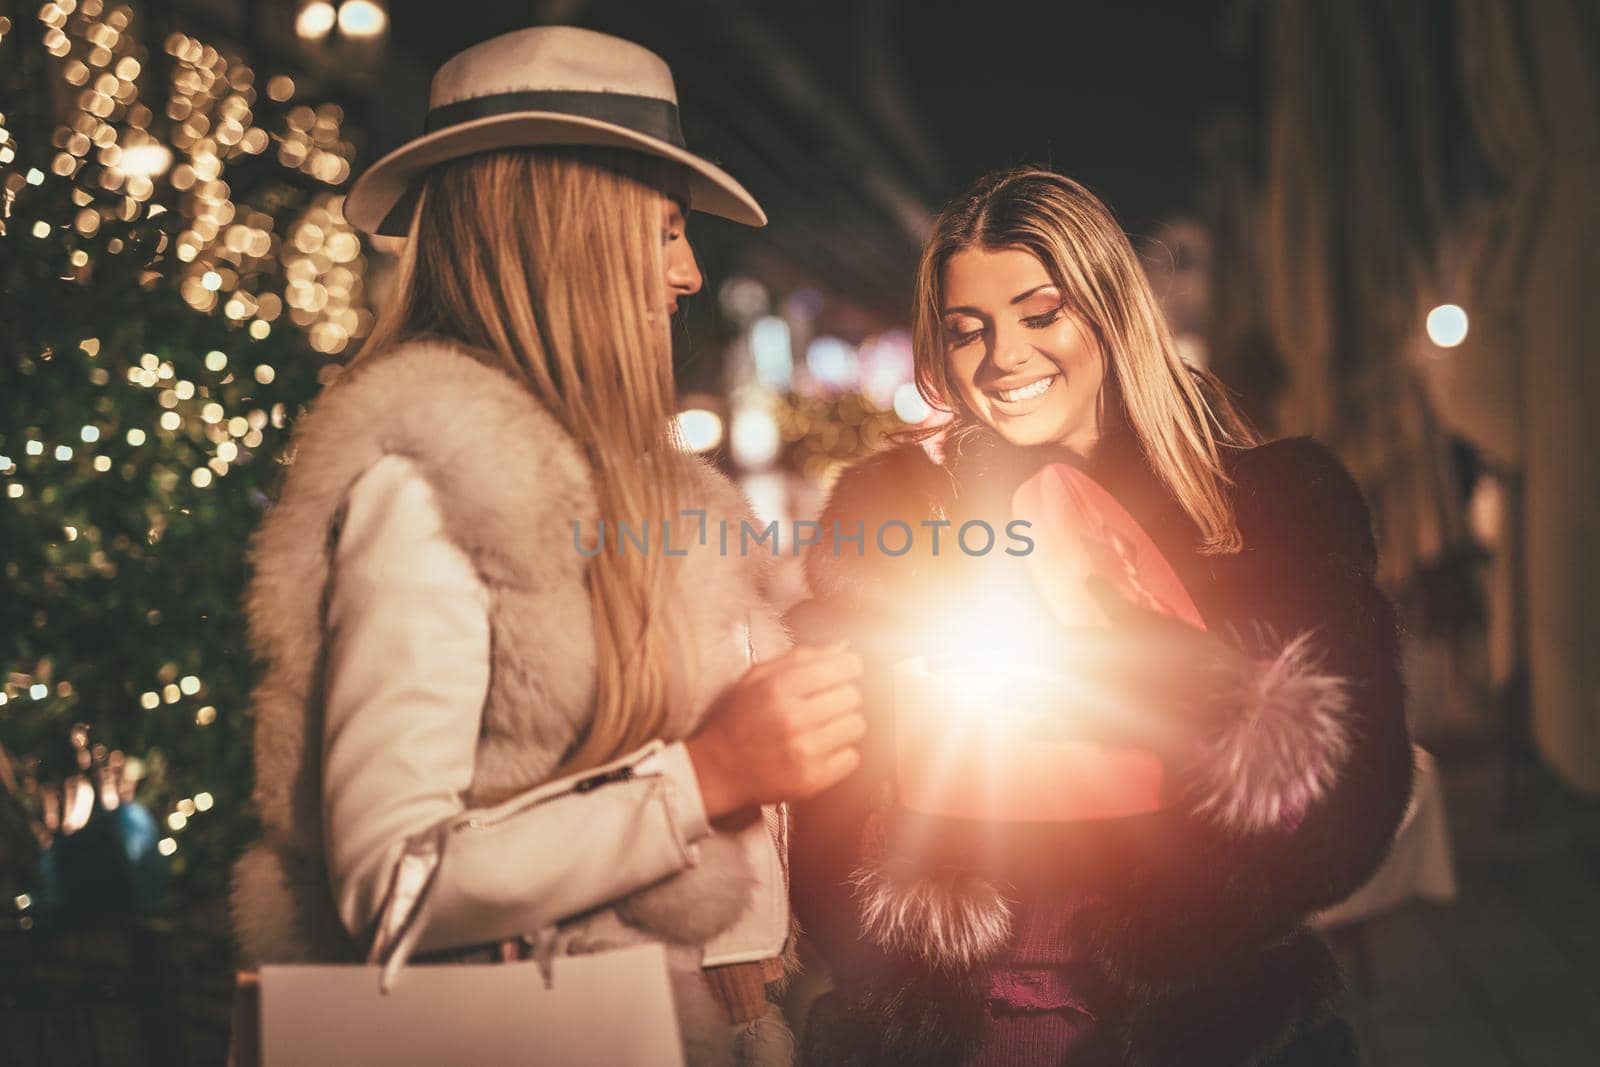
794	657
828	703
801	653
836	768
819	671
838	732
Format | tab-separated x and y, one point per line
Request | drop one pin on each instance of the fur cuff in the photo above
699	902
950	920
1279	746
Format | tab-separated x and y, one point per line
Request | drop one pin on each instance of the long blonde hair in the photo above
1181	415
549	261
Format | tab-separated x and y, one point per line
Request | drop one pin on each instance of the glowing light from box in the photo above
981	643
996	722
1447	325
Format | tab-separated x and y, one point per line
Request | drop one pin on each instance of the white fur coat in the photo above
510	483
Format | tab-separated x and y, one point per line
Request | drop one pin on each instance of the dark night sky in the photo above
1110	92
1112	96
792	98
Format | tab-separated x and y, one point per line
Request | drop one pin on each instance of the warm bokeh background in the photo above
1376	221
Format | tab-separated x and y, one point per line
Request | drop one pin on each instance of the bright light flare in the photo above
145	160
755	438
909	405
997	723
361	18
315	20
1447	325
771	348
833	362
699	429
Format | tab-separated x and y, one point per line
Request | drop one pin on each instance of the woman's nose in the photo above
1010	351
683	273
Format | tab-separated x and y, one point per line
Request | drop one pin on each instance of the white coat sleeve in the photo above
407	675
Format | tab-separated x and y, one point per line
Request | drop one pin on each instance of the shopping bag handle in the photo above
400	918
400	922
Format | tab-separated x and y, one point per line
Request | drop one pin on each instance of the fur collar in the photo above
510	483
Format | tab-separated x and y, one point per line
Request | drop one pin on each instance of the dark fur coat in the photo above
1192	940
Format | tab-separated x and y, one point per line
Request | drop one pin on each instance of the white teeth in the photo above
1027	392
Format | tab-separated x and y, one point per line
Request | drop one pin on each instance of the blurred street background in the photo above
1376	220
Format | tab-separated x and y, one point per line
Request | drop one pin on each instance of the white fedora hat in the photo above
549	85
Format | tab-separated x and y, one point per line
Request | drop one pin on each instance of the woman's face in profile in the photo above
681	274
1021	360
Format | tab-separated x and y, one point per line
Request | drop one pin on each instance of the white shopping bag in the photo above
611	1008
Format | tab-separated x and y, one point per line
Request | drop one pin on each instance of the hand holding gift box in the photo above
1067	717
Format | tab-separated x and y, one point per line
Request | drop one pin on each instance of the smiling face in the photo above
1020	359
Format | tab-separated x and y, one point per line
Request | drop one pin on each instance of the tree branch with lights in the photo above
176	280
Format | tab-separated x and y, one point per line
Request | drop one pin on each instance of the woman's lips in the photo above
1021	398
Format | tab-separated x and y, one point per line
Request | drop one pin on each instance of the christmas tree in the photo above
176	280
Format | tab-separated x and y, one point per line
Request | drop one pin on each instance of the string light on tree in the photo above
146	160
132	440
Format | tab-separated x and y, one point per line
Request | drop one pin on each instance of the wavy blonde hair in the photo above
550	262
1181	415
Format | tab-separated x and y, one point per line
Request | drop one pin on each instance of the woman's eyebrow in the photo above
1019	298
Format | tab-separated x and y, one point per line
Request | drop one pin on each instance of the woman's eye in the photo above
1039	322
961	338
668	236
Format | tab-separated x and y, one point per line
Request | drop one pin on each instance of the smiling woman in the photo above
975	907
1018	357
1029	276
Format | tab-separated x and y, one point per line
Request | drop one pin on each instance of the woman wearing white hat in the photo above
562	731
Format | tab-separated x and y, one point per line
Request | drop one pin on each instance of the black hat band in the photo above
647	115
